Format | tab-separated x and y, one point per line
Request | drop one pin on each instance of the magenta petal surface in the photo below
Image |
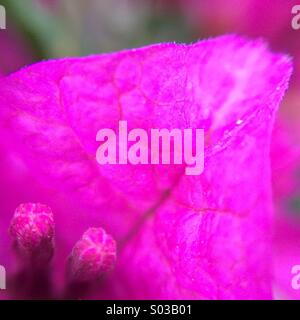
198	237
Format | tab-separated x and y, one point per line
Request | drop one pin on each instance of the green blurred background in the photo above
81	27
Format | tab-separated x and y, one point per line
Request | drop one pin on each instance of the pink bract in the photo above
178	236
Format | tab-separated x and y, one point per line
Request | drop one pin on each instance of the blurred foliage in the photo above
43	30
81	27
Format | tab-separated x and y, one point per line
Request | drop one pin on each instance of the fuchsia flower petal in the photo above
271	19
179	236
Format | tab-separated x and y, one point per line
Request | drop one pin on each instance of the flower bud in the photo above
92	256
32	229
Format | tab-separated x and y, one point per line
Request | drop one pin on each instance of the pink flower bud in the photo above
92	256
32	229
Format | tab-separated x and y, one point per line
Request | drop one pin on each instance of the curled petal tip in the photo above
32	230
92	256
